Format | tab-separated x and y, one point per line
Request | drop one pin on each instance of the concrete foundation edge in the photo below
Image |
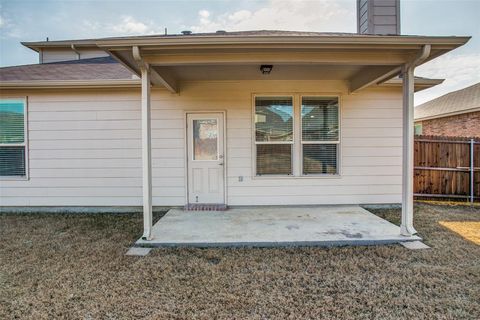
286	244
79	209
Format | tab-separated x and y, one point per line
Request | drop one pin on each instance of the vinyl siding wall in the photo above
56	55
85	147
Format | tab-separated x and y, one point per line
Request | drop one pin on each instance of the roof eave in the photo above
449	114
420	84
352	41
65	84
262	39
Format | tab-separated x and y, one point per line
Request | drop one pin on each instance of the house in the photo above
454	114
218	119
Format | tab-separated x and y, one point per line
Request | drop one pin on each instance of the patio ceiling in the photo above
362	61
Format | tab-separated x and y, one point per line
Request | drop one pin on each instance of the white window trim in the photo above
337	142
297	156
24	144
255	142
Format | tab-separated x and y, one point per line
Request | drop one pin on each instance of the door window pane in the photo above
274	159
319	159
205	139
319	119
273	119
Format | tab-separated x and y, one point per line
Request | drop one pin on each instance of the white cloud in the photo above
127	25
301	15
9	29
459	70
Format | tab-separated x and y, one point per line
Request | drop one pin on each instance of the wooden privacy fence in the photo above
447	168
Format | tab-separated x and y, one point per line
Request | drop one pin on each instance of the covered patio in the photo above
274	226
358	61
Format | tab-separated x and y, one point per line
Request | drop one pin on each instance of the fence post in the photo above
472	172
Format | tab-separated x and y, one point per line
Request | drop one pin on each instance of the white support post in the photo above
146	154
406	227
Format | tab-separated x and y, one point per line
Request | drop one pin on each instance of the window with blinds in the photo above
12	138
273	135
320	135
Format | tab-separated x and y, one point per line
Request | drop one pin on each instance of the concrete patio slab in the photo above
138	251
273	227
415	245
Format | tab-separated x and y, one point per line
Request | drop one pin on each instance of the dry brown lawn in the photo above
74	267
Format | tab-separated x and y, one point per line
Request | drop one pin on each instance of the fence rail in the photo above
447	168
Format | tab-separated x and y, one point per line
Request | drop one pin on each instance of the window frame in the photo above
254	136
332	142
25	143
297	145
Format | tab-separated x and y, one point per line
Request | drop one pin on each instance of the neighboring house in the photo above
456	114
225	118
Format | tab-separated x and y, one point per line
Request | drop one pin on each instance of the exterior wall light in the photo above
266	68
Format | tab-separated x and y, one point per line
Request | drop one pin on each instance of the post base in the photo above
407	230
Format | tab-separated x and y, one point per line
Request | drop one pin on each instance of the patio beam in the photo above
372	75
384	58
164	77
406	227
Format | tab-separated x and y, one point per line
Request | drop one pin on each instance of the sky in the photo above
35	20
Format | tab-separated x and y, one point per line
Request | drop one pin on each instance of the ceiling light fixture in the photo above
266	68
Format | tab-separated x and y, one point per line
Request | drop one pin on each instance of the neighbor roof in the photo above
457	102
104	68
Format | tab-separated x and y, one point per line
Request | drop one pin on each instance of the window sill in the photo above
14	178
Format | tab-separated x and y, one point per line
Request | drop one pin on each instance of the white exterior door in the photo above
206	165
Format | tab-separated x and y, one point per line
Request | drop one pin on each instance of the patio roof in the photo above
362	60
107	72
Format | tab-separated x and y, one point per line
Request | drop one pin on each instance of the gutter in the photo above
75	50
447	42
424	54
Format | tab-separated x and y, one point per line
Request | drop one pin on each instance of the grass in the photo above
469	230
73	266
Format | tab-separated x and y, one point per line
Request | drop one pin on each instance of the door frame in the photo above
224	137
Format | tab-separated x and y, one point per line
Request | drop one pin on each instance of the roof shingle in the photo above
459	101
105	68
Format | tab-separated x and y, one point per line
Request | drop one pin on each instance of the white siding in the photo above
67	54
85	147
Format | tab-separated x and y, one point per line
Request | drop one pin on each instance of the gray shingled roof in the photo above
35	45
105	68
460	101
220	33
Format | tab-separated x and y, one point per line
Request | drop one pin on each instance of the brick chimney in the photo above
378	17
